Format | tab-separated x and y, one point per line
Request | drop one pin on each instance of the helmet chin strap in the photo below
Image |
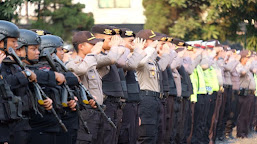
33	61
5	46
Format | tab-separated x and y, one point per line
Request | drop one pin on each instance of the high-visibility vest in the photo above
201	81
194	81
255	79
211	80
214	79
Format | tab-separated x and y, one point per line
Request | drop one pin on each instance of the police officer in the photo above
84	65
17	79
129	61
44	128
247	88
147	73
53	44
111	83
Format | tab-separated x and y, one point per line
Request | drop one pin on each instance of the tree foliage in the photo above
61	17
7	9
204	19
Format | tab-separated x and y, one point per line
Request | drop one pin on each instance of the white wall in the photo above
132	15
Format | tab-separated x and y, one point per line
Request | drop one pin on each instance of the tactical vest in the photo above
133	87
172	85
112	84
10	105
123	82
165	81
186	85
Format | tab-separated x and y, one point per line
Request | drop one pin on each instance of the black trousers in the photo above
243	121
224	112
114	111
169	118
19	132
37	137
162	122
176	121
232	112
130	123
200	119
70	120
149	113
4	132
94	121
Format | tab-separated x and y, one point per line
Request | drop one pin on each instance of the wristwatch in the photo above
28	73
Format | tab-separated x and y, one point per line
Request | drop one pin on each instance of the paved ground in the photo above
252	139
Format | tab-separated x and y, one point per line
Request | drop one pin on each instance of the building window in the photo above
114	3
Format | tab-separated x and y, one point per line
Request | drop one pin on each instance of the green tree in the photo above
204	19
7	9
61	17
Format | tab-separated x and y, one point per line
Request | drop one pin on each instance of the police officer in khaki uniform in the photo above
129	61
247	88
148	77
84	65
111	82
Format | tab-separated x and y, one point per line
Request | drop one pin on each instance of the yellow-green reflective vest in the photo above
201	81
255	79
211	80
194	81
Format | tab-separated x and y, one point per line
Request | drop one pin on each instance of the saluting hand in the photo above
59	78
139	43
97	48
2	56
115	41
48	104
154	44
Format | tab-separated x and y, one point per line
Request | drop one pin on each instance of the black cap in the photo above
117	30
148	34
178	42
85	36
41	32
163	37
125	32
245	53
103	29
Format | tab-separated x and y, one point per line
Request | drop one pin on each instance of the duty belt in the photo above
149	93
111	98
227	86
246	92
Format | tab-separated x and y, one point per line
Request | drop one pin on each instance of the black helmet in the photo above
50	43
8	29
28	37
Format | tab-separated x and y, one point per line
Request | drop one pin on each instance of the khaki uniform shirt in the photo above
104	61
147	71
246	77
86	70
130	61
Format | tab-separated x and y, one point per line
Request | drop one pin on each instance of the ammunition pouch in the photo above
10	105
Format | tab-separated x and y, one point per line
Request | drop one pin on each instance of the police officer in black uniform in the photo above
44	128
13	128
53	44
